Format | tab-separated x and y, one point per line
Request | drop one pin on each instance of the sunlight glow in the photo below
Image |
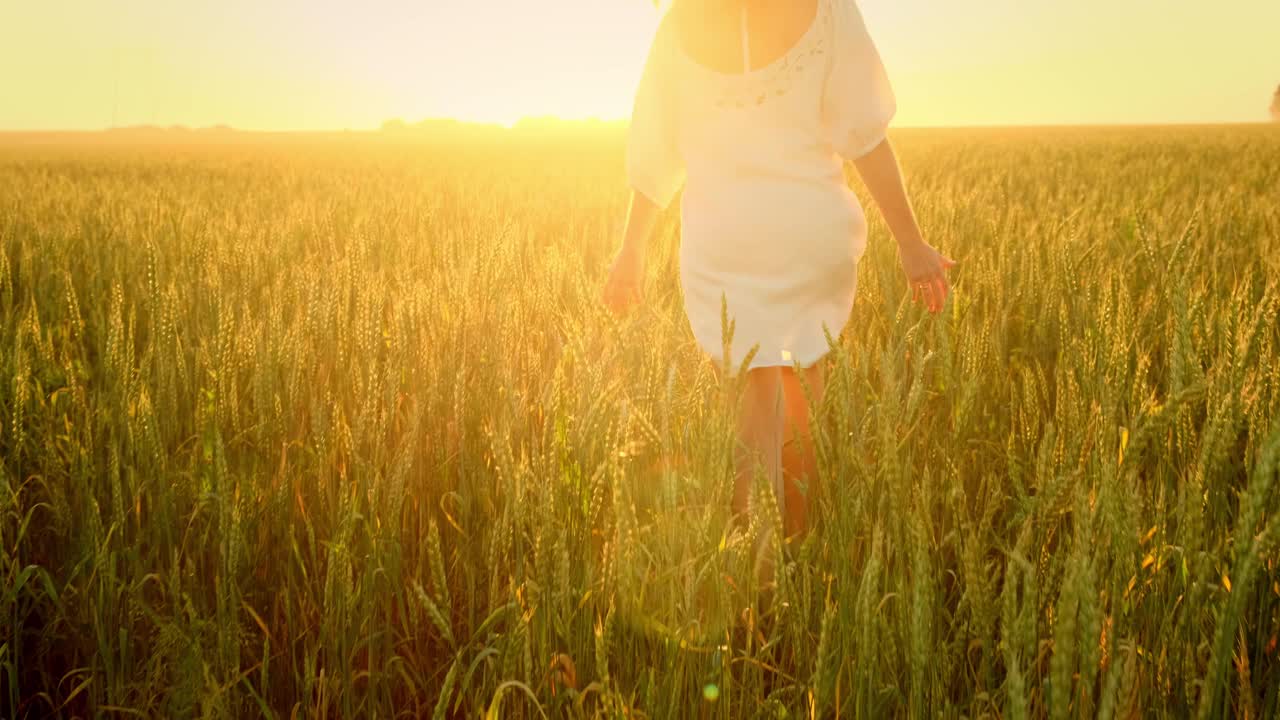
292	64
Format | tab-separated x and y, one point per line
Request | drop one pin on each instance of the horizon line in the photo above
543	120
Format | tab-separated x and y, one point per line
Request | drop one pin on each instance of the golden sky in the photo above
325	64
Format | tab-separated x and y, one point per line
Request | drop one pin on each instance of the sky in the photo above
324	64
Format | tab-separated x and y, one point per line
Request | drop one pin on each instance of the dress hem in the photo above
757	364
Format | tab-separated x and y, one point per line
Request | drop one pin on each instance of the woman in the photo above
756	102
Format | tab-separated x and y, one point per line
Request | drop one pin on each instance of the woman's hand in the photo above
625	286
926	270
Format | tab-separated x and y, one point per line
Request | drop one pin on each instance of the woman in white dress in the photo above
752	105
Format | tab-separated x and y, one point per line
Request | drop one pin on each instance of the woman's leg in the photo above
799	463
760	426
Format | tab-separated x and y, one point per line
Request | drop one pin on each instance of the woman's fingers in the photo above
931	288
922	292
938	282
619	297
940	290
612	297
931	292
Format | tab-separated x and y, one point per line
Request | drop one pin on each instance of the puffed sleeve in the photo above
655	168
858	101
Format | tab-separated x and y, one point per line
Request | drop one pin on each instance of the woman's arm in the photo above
626	278
882	176
655	170
925	267
642	215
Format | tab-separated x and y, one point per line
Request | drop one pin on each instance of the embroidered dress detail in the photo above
774	80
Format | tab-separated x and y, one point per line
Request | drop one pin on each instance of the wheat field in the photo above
337	427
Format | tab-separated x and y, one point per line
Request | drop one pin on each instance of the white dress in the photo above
768	224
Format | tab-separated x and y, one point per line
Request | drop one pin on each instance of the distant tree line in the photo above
547	125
